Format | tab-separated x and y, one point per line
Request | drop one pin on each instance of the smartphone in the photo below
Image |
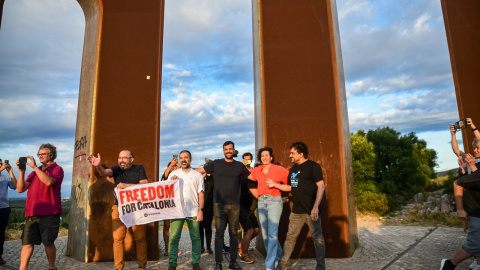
175	156
22	161
7	162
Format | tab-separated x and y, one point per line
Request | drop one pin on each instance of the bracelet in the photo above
473	129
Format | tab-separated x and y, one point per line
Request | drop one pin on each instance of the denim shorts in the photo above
41	229
472	245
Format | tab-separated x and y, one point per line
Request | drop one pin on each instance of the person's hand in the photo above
200	216
4	166
174	178
8	168
470	160
122	185
95	161
270	183
314	214
452	129
32	162
285	200
462	214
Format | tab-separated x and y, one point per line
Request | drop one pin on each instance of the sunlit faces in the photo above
265	157
295	156
125	160
228	151
185	160
44	155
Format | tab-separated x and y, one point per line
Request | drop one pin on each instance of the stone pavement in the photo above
382	247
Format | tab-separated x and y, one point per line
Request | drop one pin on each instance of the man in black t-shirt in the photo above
226	201
124	174
305	182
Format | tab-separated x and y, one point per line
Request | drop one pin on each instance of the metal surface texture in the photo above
119	108
300	96
462	22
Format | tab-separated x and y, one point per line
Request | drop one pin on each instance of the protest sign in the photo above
145	203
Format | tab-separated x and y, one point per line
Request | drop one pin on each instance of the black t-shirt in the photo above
303	178
471	192
228	176
130	176
246	197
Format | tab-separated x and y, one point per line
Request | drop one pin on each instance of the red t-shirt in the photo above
276	173
43	200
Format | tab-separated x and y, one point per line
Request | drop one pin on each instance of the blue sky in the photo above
395	57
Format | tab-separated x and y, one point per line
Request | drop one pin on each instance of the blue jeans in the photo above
224	212
269	211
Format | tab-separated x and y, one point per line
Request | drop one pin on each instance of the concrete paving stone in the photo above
398	247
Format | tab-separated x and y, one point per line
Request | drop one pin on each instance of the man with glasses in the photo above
43	207
125	174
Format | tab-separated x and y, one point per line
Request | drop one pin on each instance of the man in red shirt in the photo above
43	208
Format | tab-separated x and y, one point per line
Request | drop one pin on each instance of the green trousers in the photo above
176	226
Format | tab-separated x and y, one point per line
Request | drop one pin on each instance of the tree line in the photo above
389	167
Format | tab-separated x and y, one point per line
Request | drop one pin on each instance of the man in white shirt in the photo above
191	186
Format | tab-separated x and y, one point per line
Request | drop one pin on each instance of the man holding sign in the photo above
191	183
125	174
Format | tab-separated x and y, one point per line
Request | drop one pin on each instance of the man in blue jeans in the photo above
191	183
229	174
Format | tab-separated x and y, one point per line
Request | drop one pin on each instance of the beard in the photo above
124	166
229	155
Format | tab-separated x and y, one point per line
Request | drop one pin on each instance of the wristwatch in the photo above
200	209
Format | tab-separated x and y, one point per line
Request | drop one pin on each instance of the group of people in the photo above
467	198
217	185
43	207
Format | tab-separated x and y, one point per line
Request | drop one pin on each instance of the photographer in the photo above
44	206
5	183
453	131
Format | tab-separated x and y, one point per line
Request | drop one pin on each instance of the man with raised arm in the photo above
44	204
125	174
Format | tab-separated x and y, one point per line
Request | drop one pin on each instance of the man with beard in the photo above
125	174
305	182
193	199
44	204
226	201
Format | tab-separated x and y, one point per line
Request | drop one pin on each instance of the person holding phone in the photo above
5	183
43	207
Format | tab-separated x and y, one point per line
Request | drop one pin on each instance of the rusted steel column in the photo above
462	24
118	108
300	96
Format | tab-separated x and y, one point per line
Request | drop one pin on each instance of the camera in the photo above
461	124
22	161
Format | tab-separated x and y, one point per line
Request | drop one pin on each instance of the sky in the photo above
395	57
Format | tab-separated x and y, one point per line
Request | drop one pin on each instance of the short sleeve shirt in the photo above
5	184
130	176
191	186
276	173
41	199
303	179
228	176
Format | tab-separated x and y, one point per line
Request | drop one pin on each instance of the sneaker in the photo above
196	267
209	251
246	259
218	266
171	267
234	265
473	265
2	261
446	265
226	249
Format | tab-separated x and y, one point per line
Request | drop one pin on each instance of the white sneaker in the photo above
473	265
442	263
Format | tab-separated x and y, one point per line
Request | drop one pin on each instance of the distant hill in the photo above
445	173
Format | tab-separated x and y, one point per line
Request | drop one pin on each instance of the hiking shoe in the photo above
218	266
171	267
234	265
196	267
246	259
